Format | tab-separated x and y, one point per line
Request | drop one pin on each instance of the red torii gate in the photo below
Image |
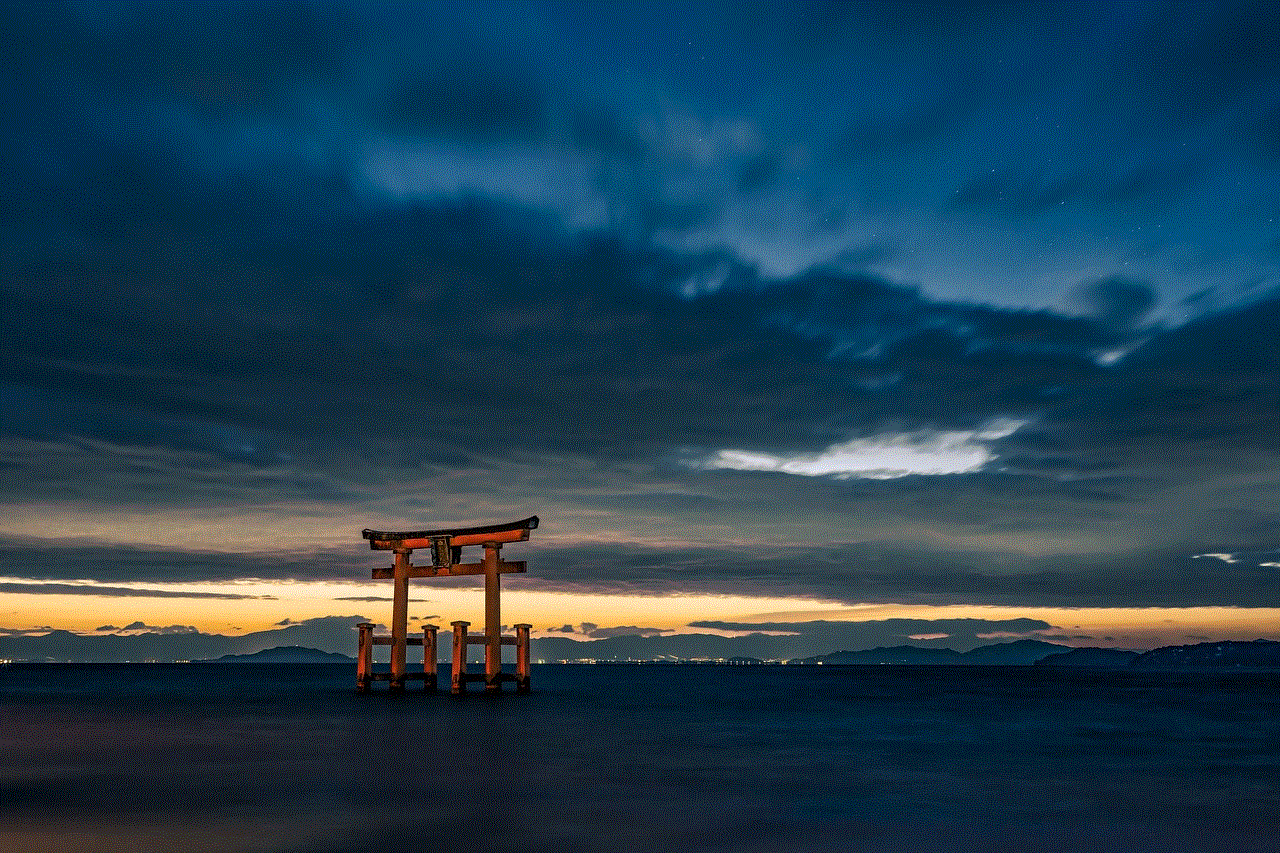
446	552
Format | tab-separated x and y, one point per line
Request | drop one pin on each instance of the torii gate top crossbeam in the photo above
515	531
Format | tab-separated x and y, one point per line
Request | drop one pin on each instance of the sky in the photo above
942	323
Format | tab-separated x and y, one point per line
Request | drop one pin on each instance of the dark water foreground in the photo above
225	757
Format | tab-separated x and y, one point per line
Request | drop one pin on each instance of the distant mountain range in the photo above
715	647
287	654
1016	653
1228	655
1258	654
333	632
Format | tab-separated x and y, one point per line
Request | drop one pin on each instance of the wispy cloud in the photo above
34	588
376	598
880	457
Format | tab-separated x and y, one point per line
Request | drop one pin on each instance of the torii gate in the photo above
446	552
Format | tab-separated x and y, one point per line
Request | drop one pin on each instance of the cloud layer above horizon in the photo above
814	300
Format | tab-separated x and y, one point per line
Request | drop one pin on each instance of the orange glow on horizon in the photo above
268	603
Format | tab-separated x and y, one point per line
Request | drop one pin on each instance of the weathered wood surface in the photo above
504	567
430	661
492	618
515	531
364	658
399	618
460	656
522	657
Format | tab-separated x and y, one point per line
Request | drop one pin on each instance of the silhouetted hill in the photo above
1090	657
634	647
338	632
1016	653
1231	654
287	654
166	644
883	655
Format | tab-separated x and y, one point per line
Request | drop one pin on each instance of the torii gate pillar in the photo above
399	619
492	620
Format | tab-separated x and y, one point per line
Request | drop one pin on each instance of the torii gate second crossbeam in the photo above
446	552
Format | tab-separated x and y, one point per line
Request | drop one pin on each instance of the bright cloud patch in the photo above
881	457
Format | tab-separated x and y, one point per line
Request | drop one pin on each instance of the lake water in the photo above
216	757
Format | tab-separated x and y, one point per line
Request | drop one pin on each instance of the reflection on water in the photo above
216	757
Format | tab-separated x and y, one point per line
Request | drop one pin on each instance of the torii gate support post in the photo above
492	620
460	656
364	663
399	619
522	657
430	666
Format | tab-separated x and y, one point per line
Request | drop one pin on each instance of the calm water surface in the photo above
227	757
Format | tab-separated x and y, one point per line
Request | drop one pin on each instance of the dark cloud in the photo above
58	559
1206	59
331	633
156	629
1135	192
475	110
909	574
1197	397
598	130
233	55
626	631
606	322
959	634
118	591
179	642
1103	438
789	640
1085	465
376	598
1117	301
240	271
